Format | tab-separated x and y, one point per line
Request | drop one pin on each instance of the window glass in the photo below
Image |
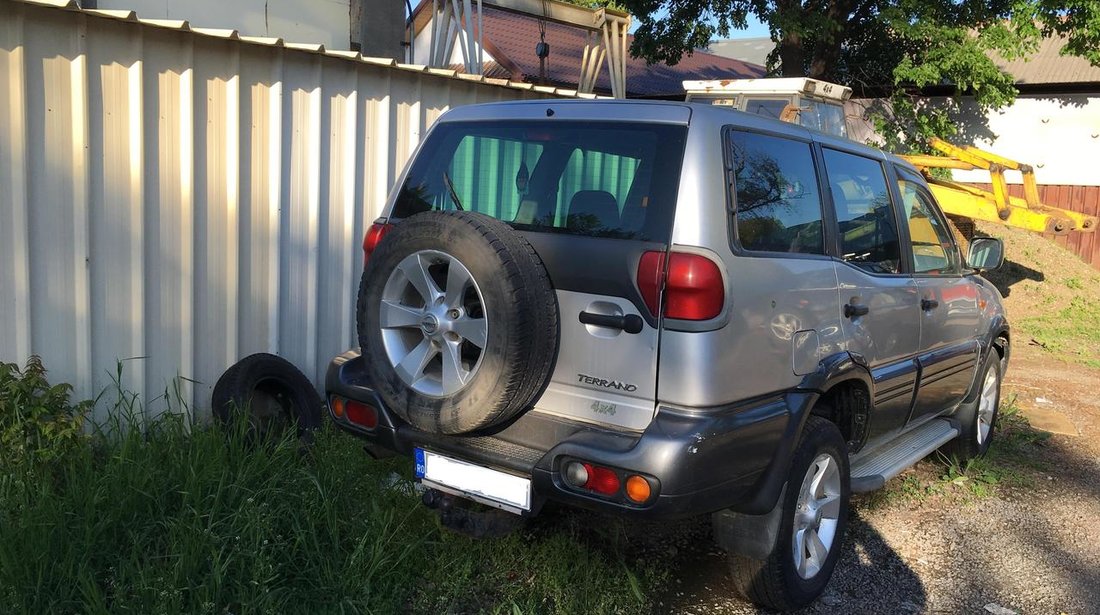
778	204
826	117
768	107
933	248
617	180
868	229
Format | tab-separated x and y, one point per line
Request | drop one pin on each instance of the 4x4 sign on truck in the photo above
666	310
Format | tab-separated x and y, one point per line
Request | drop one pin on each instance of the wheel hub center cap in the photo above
429	324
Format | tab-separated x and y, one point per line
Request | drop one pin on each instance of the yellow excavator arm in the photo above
996	205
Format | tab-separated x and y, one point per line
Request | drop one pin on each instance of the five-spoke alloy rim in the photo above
433	322
987	406
816	516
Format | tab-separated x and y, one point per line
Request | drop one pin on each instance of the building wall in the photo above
1059	135
298	21
179	200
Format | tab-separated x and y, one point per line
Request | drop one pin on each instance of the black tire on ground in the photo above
271	394
967	446
775	582
520	308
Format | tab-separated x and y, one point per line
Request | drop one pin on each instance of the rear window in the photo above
582	178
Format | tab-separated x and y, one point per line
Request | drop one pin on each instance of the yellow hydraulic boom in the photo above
996	206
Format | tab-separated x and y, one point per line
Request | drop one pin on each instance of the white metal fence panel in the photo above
183	198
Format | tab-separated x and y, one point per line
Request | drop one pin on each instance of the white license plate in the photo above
485	485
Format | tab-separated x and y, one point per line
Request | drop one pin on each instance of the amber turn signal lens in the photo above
338	407
637	489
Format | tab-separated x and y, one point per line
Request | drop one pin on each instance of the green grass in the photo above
182	518
1072	332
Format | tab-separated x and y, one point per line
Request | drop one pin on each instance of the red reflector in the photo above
361	414
373	238
601	480
651	274
694	289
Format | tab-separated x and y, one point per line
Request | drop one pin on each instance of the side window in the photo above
933	248
868	228
778	204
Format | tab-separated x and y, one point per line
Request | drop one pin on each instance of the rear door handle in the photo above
929	304
631	323
852	310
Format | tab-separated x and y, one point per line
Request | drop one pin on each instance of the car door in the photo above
949	310
879	297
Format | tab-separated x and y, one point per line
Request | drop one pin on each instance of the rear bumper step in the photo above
872	469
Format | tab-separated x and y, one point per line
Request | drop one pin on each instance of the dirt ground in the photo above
1019	533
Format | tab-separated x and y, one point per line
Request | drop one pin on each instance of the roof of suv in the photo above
695	114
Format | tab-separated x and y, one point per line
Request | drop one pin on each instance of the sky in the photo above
755	29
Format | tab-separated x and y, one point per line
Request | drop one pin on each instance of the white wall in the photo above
422	46
1058	135
184	200
298	21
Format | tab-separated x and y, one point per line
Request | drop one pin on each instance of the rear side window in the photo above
777	201
604	180
868	228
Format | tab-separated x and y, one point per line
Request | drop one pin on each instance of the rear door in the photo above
949	304
591	197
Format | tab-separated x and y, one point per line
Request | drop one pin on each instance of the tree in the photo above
894	49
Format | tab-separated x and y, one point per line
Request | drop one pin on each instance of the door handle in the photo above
631	323
852	310
929	304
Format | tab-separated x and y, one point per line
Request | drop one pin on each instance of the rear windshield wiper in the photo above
451	189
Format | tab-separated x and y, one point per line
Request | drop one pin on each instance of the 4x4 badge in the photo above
600	407
607	384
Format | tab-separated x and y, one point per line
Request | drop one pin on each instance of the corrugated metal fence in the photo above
192	196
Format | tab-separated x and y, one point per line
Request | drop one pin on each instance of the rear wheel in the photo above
814	519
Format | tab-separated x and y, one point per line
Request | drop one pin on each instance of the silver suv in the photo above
665	310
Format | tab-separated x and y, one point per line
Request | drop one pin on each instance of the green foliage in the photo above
38	422
894	49
172	516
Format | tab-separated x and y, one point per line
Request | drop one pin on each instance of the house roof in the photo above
510	39
1048	67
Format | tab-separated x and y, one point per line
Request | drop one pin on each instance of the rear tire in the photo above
978	418
814	515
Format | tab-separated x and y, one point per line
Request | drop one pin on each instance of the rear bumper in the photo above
700	460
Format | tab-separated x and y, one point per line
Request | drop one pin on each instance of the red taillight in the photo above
651	275
693	287
361	414
373	238
601	480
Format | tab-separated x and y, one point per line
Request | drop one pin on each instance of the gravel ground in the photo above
1032	546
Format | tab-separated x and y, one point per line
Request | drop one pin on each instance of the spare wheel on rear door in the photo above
457	321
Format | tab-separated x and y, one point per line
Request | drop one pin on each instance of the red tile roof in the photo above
510	38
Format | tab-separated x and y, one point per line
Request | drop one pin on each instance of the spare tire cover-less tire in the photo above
457	321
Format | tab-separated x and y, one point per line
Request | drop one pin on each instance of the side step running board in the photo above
872	469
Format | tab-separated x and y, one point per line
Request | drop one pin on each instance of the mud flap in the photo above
752	536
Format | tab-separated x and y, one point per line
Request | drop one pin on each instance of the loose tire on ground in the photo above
775	582
457	321
271	394
978	417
